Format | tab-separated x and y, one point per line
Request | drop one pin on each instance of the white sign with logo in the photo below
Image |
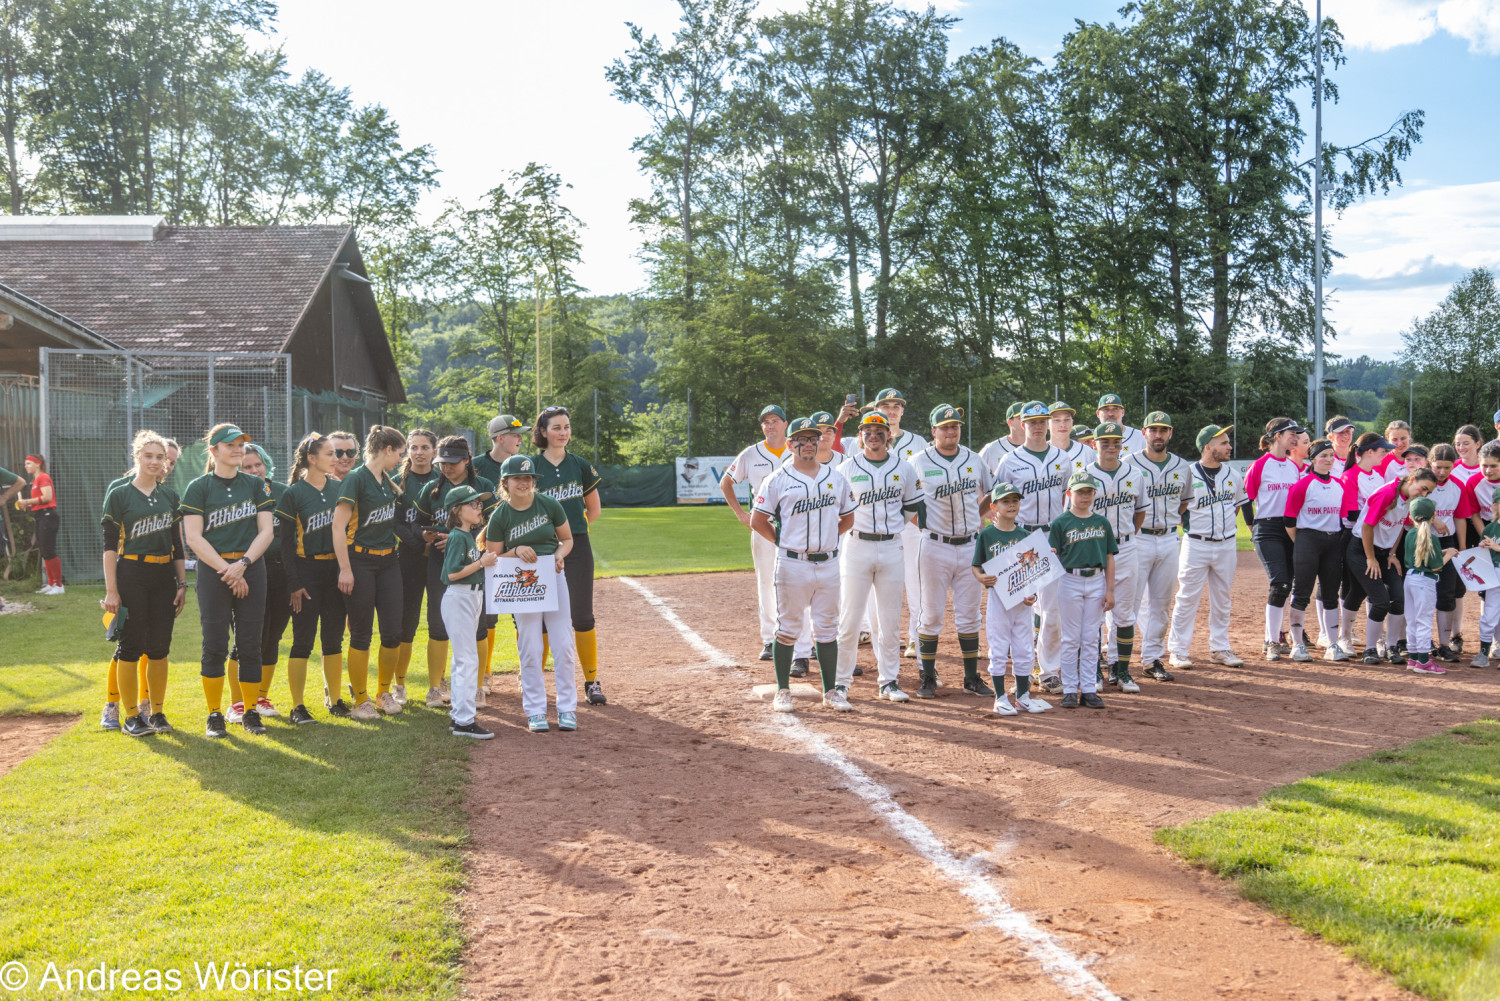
1024	569
697	479
512	586
1476	569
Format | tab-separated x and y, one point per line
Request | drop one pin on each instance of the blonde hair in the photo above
142	439
1424	542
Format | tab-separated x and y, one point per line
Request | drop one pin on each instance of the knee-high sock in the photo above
250	692
1331	624
781	659
232	673
1346	625
129	694
112	682
403	661
267	671
828	664
1124	647
927	652
1023	684
588	654
489	652
1372	633
54	571
213	693
546	647
359	674
437	661
386	661
156	671
296	679
1444	627
143	678
1395	629
1298	617
968	645
484	652
333	675
1274	618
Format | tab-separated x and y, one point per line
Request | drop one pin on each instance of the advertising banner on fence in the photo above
513	586
1476	569
698	476
1024	569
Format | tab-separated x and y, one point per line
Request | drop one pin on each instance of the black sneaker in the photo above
1398	655
251	722
159	723
1371	657
1092	700
1445	653
858	671
136	727
339	709
215	726
300	715
595	692
1052	685
928	688
976	686
1158	672
1069	701
1457	646
472	730
799	667
765	652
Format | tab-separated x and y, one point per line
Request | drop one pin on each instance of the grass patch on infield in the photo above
332	846
1395	857
649	541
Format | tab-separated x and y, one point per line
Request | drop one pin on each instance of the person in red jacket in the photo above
41	501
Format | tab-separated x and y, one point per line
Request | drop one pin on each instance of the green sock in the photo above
1125	644
828	663
969	646
1023	684
781	657
1422	658
927	652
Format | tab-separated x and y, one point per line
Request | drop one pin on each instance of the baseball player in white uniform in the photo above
802	509
1169	488
1121	499
756	464
1209	554
992	453
956	494
886	495
1040	472
1112	409
1060	431
892	405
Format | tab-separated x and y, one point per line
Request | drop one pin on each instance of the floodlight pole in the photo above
1320	394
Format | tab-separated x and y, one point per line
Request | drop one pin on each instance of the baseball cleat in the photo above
386	703
1371	657
398	692
301	716
595	693
1431	667
864	639
136	727
341	710
1337	653
799	667
1091	700
1397	654
892	691
1271	652
434	697
1299	652
158	723
1456	644
365	711
481	699
1052	686
765	652
265	707
1481	659
1181	663
1032	704
236	712
1003	706
782	703
836	698
859	672
215	726
567	722
911	649
928	688
976	686
1158	673
1069	701
251	722
1226	658
1445	653
1126	682
471	730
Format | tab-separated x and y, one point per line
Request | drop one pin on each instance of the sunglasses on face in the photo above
345	453
554	411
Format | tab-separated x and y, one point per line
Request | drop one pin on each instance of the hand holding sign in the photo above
1022	570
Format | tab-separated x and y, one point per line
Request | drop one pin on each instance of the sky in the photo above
493	86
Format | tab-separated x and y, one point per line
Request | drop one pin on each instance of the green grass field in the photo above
1395	857
645	541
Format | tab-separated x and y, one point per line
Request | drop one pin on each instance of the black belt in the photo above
1204	538
811	557
873	537
1034	528
952	540
1153	531
1085	571
1122	539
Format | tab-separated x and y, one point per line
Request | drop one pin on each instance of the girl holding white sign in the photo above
462	605
530	526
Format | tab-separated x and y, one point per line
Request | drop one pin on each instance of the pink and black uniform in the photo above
1385	512
1267	484
1318	505
1364	483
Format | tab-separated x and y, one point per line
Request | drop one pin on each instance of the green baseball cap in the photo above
517	465
1014	410
1060	408
772	409
1157	419
1423	509
1110	400
890	394
1109	429
1003	489
1081	432
1210	432
1034	409
228	435
1082	481
463	493
802	425
823	419
507	424
945	414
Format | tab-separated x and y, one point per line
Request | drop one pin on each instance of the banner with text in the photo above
512	586
1024	569
698	478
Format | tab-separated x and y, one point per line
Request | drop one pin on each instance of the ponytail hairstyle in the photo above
378	440
457	439
1424	541
311	444
1443	452
142	439
208	458
406	462
1361	446
1265	443
1424	474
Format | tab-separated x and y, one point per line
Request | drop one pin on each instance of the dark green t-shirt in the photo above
569	483
430	508
148	524
374	504
229	509
1082	543
535	527
486	467
1492	531
310	511
413	486
1434	565
459	553
992	539
7	477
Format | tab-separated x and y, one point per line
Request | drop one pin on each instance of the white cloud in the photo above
1386	24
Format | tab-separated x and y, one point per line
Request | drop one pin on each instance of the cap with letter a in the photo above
823	419
1110	400
772	410
1082	481
1060	408
890	395
802	425
1157	419
1109	430
517	465
945	414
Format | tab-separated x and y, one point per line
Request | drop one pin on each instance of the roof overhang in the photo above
26	326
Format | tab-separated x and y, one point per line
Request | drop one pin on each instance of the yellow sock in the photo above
213	691
333	675
267	672
437	662
232	674
403	661
251	692
588	653
156	671
386	660
296	679
489	653
484	658
546	648
143	679
359	674
130	695
112	682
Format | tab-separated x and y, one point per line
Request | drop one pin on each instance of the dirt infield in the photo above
685	843
23	736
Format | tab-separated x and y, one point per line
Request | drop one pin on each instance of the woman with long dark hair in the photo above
416	474
1267	484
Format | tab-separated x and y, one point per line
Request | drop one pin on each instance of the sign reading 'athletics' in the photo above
512	586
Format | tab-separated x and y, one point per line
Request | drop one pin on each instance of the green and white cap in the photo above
1157	419
1003	489
1210	432
1081	432
1033	410
463	493
802	425
1082	481
517	465
772	409
892	394
1110	400
823	419
1014	410
943	413
1107	430
1060	408
228	435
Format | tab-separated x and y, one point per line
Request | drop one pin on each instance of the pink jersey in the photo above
1386	510
1268	482
1482	496
1452	500
1318	503
1465	472
1365	483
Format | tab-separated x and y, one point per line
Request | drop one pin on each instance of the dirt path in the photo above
684	844
23	736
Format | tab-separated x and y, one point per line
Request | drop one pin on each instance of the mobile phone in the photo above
851	400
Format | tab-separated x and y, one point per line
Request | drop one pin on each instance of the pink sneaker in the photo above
1431	667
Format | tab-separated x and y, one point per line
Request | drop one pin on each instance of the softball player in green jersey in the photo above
145	576
226	519
1085	543
278	608
464	562
416	474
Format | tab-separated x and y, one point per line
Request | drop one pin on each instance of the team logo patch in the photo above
1029	559
526	578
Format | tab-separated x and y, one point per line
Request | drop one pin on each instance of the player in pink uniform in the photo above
1267	484
1451	524
1316	507
1359	475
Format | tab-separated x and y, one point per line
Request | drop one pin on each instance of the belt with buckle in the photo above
811	557
873	537
230	556
1085	571
1122	539
374	552
321	556
147	559
1034	528
952	540
1204	538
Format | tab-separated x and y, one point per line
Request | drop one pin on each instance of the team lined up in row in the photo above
338	547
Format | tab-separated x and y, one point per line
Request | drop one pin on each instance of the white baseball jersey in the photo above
1131	441
996	450
806	510
1215	500
1268	482
884	493
1482	496
755	464
1386	509
1363	484
1079	456
952	486
1167	487
1319	503
1119	496
1042	480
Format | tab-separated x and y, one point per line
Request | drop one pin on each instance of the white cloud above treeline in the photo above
1386	24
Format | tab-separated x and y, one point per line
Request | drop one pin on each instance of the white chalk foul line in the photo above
1066	969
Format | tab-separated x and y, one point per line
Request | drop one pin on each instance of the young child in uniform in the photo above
1424	564
463	604
1085	543
1008	630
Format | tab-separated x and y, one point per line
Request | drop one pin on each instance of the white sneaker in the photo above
1272	652
480	700
44	589
236	713
386	703
265	707
1381	650
892	691
835	698
1129	685
1032	704
1181	663
57	589
1299	652
1225	657
911	649
1003	706
434	698
782	703
398	692
365	711
1335	653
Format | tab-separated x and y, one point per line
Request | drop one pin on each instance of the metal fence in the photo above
93	403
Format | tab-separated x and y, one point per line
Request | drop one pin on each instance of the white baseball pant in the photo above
1127	577
911	537
944	567
1156	580
806	589
1082	603
1421	602
1489	614
559	623
1049	637
1203	563
763	555
1009	635
873	574
462	605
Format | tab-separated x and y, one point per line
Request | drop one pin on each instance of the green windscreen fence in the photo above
637	486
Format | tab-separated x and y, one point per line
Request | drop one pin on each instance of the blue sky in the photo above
494	85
